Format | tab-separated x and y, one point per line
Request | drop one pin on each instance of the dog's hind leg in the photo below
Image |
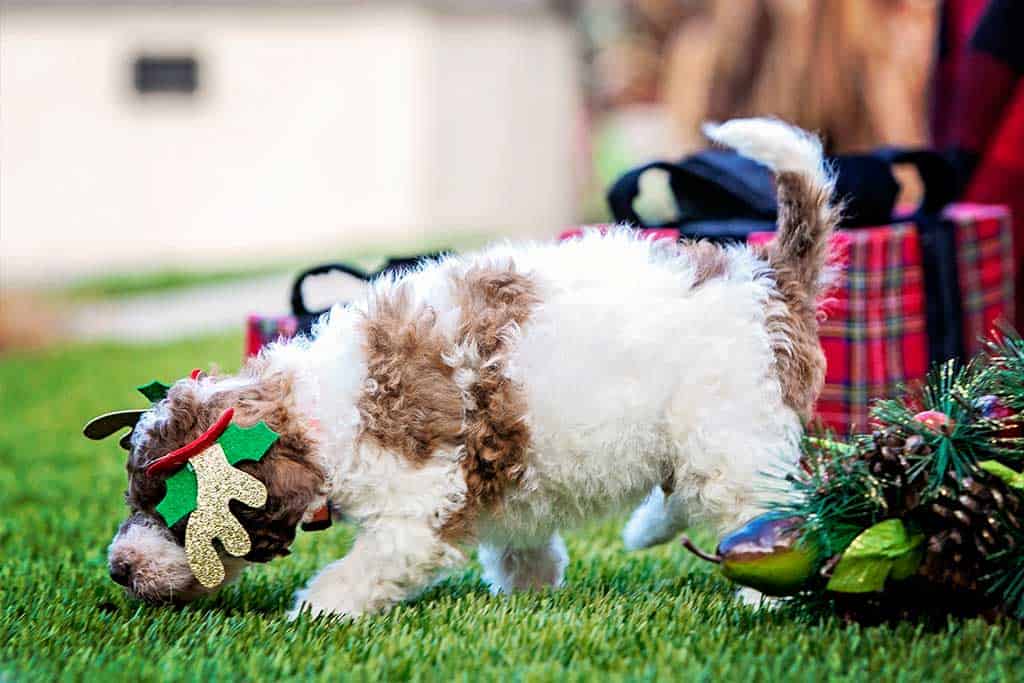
508	570
658	519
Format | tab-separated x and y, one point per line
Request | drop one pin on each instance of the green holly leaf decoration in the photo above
882	551
239	443
1009	476
155	391
180	499
246	443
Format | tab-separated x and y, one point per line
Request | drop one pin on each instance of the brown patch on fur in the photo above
411	405
797	257
493	301
709	260
806	219
800	363
293	478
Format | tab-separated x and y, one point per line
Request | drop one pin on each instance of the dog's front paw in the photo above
318	607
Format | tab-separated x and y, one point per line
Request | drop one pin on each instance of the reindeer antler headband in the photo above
102	426
204	482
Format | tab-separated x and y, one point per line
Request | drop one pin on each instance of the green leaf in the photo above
860	575
155	391
180	499
246	443
1009	476
885	549
888	539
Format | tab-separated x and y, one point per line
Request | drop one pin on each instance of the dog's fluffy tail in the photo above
805	182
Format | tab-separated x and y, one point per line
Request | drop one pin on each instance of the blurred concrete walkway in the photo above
195	311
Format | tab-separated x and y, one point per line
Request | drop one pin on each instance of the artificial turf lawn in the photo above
655	615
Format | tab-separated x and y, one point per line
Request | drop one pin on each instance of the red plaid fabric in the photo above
986	267
873	332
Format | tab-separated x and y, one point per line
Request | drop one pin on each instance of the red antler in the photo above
176	459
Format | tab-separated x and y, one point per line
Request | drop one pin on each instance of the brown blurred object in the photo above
27	321
631	68
856	71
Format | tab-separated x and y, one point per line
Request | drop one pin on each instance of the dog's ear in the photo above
293	485
290	470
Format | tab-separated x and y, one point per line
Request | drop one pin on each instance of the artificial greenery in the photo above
931	495
834	494
1006	353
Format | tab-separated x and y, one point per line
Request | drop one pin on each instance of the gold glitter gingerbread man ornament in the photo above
206	481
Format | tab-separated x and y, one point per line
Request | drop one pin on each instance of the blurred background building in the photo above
137	133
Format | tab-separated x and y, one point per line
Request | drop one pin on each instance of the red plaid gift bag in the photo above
986	267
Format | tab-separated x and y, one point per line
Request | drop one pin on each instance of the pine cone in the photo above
969	520
888	460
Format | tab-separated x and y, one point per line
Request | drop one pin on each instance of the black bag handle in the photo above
626	189
937	174
299	308
715	184
299	303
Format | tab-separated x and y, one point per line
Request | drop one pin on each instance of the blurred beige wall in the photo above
313	127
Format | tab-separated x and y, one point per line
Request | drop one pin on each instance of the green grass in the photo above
657	615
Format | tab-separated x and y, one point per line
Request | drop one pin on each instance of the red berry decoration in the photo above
938	422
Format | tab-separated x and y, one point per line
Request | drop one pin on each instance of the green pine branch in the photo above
1005	354
955	390
835	494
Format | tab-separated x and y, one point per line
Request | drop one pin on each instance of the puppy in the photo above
496	398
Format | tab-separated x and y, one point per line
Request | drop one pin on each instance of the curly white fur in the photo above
631	375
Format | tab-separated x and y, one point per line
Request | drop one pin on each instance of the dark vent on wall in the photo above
166	74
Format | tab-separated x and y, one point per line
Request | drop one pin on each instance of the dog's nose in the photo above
121	572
